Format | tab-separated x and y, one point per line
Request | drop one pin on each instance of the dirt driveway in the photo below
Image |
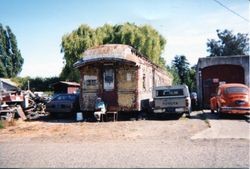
147	143
70	131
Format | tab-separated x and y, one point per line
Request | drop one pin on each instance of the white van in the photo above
172	99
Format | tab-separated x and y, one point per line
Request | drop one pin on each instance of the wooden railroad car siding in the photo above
119	75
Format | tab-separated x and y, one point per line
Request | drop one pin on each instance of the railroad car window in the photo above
129	76
108	76
91	82
144	81
231	90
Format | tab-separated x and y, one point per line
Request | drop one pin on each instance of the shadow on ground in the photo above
121	117
202	115
216	116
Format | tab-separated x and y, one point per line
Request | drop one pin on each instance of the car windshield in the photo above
170	92
65	98
232	90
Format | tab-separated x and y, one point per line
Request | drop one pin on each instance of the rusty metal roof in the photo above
9	82
109	52
67	83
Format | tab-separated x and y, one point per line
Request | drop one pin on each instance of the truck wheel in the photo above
218	109
53	115
221	115
141	115
188	113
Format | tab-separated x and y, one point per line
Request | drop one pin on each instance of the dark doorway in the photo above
212	76
109	94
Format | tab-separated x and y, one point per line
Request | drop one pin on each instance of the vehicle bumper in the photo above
236	110
171	110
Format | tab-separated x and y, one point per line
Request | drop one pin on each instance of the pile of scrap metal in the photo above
24	104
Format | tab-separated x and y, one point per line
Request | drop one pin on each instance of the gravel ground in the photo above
133	144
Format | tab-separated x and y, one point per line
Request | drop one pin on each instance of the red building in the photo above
65	87
212	71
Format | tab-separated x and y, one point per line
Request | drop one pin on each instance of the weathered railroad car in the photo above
122	77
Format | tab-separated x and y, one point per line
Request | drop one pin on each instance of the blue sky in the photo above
186	24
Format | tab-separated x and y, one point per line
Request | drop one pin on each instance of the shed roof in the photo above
9	82
8	85
218	60
67	83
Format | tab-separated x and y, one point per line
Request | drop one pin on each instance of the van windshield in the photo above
170	92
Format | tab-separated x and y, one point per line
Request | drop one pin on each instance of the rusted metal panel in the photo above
126	78
89	87
127	87
127	100
88	101
13	98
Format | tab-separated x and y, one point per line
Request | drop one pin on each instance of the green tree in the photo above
181	66
173	71
11	60
144	39
36	84
191	79
181	72
73	45
228	44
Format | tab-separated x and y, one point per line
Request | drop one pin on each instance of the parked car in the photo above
172	99
231	98
67	104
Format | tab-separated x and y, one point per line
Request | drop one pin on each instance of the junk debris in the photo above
23	104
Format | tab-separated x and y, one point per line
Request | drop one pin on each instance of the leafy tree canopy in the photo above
228	44
144	39
11	60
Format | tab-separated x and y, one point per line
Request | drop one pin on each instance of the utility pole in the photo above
28	84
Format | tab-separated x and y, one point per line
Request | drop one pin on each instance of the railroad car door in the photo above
109	94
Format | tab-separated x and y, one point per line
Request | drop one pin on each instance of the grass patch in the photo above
1	124
5	123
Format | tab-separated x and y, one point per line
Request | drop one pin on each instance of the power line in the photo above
231	10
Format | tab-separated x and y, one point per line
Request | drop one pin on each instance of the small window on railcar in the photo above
144	81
